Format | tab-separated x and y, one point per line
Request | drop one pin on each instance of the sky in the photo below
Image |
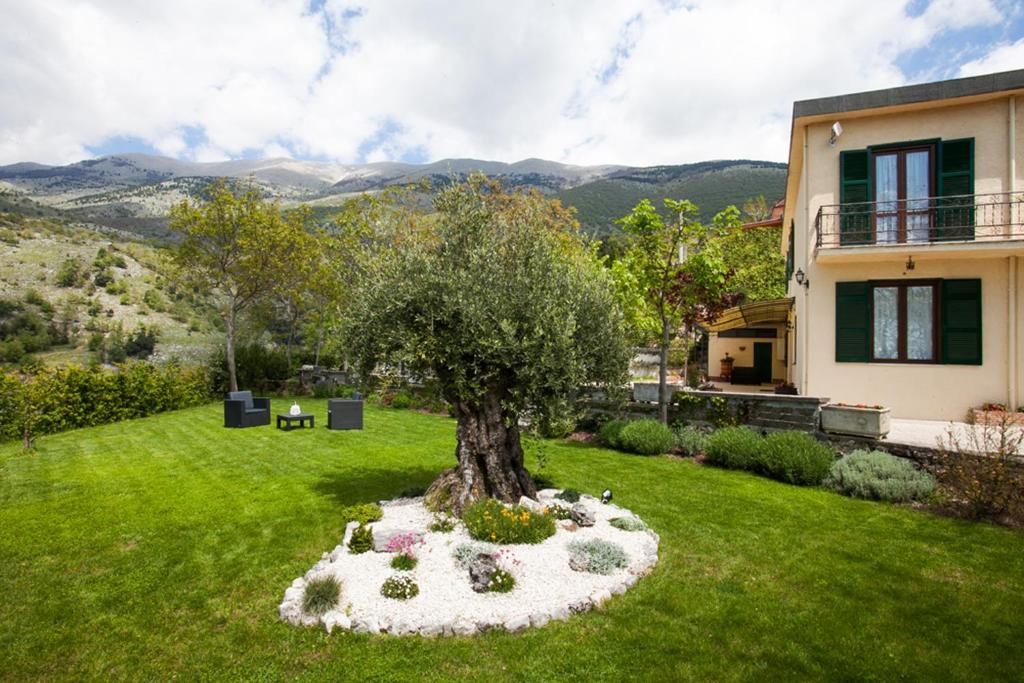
638	82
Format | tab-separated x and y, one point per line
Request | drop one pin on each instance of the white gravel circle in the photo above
546	587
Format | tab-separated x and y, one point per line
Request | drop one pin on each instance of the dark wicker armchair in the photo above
344	413
242	410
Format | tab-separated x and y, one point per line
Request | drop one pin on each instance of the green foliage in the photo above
401	400
321	595
557	511
465	554
646	437
69	274
568	495
489	520
404	562
597	556
27	326
628	523
879	476
400	587
733	447
364	513
259	368
501	581
691	440
757	264
442	524
984	486
532	303
610	431
795	457
70	397
361	540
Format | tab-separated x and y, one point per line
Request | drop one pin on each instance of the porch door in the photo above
903	184
763	362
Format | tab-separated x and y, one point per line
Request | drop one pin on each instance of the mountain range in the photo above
134	191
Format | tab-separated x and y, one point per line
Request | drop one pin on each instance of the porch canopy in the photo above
774	311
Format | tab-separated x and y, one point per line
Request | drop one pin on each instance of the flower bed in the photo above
994	414
531	584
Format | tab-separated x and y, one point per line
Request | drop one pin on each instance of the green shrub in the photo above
795	457
501	582
404	562
879	476
597	556
259	368
401	400
646	437
559	511
609	432
568	495
364	513
69	274
361	541
489	520
399	588
628	523
733	447
690	440
442	524
321	595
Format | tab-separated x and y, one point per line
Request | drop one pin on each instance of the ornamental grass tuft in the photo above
321	595
489	520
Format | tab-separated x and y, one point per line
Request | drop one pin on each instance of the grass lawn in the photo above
161	547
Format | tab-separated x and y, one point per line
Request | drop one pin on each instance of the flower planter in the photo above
979	416
869	421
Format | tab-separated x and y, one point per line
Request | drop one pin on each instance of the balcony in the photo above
980	218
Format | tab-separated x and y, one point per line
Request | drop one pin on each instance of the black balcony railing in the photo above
963	218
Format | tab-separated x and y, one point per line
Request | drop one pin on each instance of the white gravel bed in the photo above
546	587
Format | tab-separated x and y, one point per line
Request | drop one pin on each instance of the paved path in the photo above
928	433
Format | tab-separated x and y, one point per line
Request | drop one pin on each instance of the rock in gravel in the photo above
530	503
578	563
463	627
366	625
600	597
293	594
560	613
579	606
567	524
517	624
431	629
480	572
539	619
581	515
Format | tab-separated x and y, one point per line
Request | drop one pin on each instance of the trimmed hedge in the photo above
646	437
794	457
733	447
59	399
609	432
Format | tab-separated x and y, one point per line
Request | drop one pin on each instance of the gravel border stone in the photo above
547	588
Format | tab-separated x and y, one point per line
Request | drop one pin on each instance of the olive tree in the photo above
499	298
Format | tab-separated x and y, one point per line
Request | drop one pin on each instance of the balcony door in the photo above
903	185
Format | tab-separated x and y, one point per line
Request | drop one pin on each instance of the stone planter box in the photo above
870	422
647	392
993	417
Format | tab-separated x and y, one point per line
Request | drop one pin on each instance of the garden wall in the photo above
767	412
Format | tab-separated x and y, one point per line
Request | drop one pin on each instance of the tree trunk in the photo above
490	459
229	324
663	372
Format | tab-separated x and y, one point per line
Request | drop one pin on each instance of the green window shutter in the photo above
961	322
855	195
852	322
954	216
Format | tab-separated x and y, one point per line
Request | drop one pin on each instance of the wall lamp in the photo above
801	278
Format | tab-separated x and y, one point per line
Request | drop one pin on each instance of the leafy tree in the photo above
501	300
673	275
233	249
757	208
759	269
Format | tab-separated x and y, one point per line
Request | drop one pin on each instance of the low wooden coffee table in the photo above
289	421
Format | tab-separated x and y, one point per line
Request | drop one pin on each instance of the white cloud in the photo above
616	81
1005	57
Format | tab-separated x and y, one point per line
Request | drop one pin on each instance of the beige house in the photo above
904	234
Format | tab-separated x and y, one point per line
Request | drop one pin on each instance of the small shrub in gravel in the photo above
558	511
628	523
609	432
733	447
489	520
568	495
399	588
442	524
795	457
363	513
465	553
646	437
321	595
501	582
879	476
690	440
361	541
597	556
403	562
